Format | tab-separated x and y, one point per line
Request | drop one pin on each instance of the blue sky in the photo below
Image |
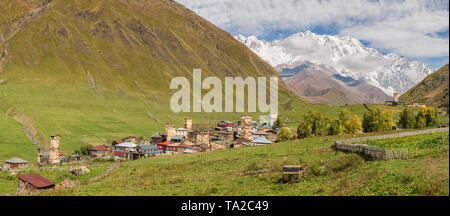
416	29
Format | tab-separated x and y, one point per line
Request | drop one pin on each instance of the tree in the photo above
407	118
376	120
344	116
318	123
427	117
83	150
336	128
304	130
277	124
355	125
285	134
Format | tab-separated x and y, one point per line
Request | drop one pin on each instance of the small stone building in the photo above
14	163
99	151
33	181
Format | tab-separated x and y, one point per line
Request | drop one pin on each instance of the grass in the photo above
225	173
8	182
423	141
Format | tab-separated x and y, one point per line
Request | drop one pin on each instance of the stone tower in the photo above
39	155
54	149
169	130
246	122
188	124
395	97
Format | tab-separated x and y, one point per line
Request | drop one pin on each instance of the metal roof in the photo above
127	145
261	140
36	180
16	161
178	137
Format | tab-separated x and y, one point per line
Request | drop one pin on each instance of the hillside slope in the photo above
94	71
323	85
432	91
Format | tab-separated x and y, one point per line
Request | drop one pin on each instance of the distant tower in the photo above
188	124
246	122
54	149
396	97
169	130
39	155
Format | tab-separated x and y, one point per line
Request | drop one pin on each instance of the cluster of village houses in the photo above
186	140
172	141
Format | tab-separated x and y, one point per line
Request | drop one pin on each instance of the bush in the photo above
377	120
285	134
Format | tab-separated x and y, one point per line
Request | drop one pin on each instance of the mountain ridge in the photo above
348	56
433	90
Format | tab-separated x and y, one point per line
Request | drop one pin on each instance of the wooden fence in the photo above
378	153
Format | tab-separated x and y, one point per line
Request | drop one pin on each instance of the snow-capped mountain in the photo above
348	56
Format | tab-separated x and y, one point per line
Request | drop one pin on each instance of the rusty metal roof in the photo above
36	180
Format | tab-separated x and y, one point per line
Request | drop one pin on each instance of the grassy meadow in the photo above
329	173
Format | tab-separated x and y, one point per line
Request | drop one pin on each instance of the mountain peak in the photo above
348	56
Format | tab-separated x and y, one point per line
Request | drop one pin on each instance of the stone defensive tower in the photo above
169	130
395	97
54	149
188	124
246	122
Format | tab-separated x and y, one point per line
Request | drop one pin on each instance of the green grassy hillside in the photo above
432	91
94	71
329	172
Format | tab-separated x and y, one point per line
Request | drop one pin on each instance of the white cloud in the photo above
407	27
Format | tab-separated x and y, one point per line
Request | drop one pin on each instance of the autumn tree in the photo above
407	118
284	135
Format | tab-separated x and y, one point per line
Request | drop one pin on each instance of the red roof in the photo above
36	180
118	141
164	143
100	148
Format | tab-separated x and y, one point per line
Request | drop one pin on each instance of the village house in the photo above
172	149
29	182
259	134
162	146
99	151
136	140
14	163
181	132
225	125
125	150
177	139
265	128
157	138
261	141
116	142
238	143
272	135
149	150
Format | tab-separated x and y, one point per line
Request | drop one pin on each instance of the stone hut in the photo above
33	182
